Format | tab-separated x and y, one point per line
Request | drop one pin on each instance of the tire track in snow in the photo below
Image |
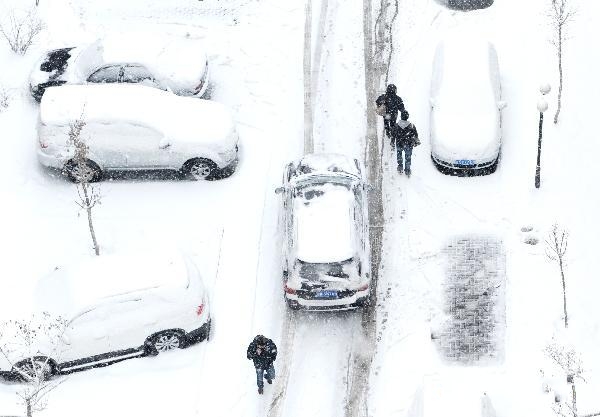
288	334
377	63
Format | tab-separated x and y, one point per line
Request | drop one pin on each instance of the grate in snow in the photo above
474	288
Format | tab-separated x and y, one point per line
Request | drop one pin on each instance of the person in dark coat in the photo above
263	352
404	138
393	104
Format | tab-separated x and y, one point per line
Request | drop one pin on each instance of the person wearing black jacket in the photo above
404	138
393	104
263	352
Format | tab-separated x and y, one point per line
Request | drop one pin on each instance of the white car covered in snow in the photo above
164	62
112	308
326	241
466	104
133	127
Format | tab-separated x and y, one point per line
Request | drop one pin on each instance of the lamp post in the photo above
542	106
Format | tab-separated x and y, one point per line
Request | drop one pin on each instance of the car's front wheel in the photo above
200	169
84	171
165	341
37	368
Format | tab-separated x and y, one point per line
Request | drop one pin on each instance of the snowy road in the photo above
315	374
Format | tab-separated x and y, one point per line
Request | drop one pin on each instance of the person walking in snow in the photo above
388	106
404	138
263	352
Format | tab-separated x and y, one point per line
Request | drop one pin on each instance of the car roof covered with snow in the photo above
328	164
465	92
323	205
95	280
182	119
324	225
179	61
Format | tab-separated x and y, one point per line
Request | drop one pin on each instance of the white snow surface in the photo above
89	281
325	229
180	61
181	119
230	226
465	116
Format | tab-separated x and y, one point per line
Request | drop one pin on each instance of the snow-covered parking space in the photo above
227	226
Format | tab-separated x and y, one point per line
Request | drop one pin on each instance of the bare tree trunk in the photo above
309	145
89	206
574	391
560	73
29	411
564	285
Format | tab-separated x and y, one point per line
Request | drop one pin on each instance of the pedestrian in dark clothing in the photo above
404	138
393	104
263	353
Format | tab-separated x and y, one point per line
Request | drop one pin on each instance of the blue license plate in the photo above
465	162
326	294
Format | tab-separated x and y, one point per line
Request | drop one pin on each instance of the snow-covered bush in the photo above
22	342
20	28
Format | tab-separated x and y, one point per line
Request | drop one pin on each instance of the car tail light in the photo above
43	144
363	287
200	309
289	290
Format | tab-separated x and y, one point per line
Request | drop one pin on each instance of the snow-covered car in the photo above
134	127
326	256
165	62
111	308
466	104
469	4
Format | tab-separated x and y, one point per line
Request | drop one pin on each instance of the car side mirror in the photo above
279	190
502	104
164	143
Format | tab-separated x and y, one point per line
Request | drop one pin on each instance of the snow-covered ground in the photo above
430	210
230	226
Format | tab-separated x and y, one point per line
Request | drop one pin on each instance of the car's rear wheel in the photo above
35	368
166	341
85	171
292	305
200	169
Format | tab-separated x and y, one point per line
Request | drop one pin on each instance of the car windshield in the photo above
317	187
136	74
110	74
312	271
